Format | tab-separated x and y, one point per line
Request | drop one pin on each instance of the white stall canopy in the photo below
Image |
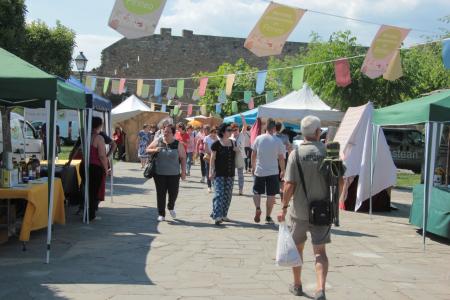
131	107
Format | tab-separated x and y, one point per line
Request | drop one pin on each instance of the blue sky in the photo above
237	17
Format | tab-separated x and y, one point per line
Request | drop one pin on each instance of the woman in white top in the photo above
241	140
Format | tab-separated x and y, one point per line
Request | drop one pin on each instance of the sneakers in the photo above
296	290
218	221
225	219
320	295
173	214
269	220
161	218
257	217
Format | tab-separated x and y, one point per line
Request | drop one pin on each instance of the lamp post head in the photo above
81	62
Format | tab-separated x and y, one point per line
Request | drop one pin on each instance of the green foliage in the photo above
12	25
50	48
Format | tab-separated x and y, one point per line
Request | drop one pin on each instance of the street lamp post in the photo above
81	62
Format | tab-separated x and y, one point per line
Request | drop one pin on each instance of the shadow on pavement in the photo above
350	233
232	223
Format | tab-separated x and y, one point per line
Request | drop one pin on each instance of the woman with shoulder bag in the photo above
222	170
171	155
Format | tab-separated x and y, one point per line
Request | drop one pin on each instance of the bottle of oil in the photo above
24	170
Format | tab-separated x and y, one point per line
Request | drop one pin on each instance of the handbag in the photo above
319	210
150	167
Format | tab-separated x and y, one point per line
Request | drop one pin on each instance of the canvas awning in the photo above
93	100
129	108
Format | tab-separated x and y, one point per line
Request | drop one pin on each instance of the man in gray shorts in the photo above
310	155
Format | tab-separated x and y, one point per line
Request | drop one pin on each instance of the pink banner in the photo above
122	86
342	72
251	104
189	110
202	86
382	49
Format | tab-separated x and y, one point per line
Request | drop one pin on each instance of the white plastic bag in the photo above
287	253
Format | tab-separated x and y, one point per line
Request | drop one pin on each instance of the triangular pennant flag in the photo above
247	96
180	88
222	96
88	82
234	107
230	82
93	83
171	92
202	86
203	110
180	112
139	84
342	72
446	53
179	104
260	81
195	95
122	85
269	96
189	110
169	102
218	108
105	85
394	70
145	90
115	87
158	85
273	28
251	104
163	108
176	108
297	78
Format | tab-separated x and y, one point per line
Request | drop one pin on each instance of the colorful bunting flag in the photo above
139	84
145	90
394	70
88	81
260	81
251	104
171	92
234	107
342	72
158	85
269	96
122	85
222	96
387	40
171	113
135	19
159	99
189	110
218	108
195	95
176	110
180	88
105	85
202	86
93	83
272	30
203	110
446	53
230	82
247	96
115	87
180	112
163	108
169	102
297	78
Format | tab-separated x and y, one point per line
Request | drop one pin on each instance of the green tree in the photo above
12	25
49	48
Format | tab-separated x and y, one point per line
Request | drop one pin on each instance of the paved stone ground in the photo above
126	254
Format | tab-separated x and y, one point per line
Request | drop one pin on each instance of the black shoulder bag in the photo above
319	210
150	167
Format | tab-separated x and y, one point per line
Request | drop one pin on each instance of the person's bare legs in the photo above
321	265
269	205
297	271
257	201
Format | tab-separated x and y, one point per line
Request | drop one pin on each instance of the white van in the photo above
24	139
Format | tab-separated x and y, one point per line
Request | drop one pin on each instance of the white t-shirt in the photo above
241	142
268	148
208	141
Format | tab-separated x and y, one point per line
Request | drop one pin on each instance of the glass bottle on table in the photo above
24	170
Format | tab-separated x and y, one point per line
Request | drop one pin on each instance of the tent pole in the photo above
373	157
51	140
111	187
86	165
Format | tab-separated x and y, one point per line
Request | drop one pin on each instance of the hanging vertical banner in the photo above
158	85
382	49
297	78
251	104
394	70
88	81
203	110
122	85
139	84
93	83
202	86
234	107
342	72
446	53
163	108
175	110
218	108
247	96
222	96
145	90
105	85
189	110
195	95
260	81
230	82
180	112
115	87
269	96
180	88
272	30
136	18
171	92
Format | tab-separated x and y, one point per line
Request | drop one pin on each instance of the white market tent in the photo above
299	104
131	107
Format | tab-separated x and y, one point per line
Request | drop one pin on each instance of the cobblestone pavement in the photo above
126	254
